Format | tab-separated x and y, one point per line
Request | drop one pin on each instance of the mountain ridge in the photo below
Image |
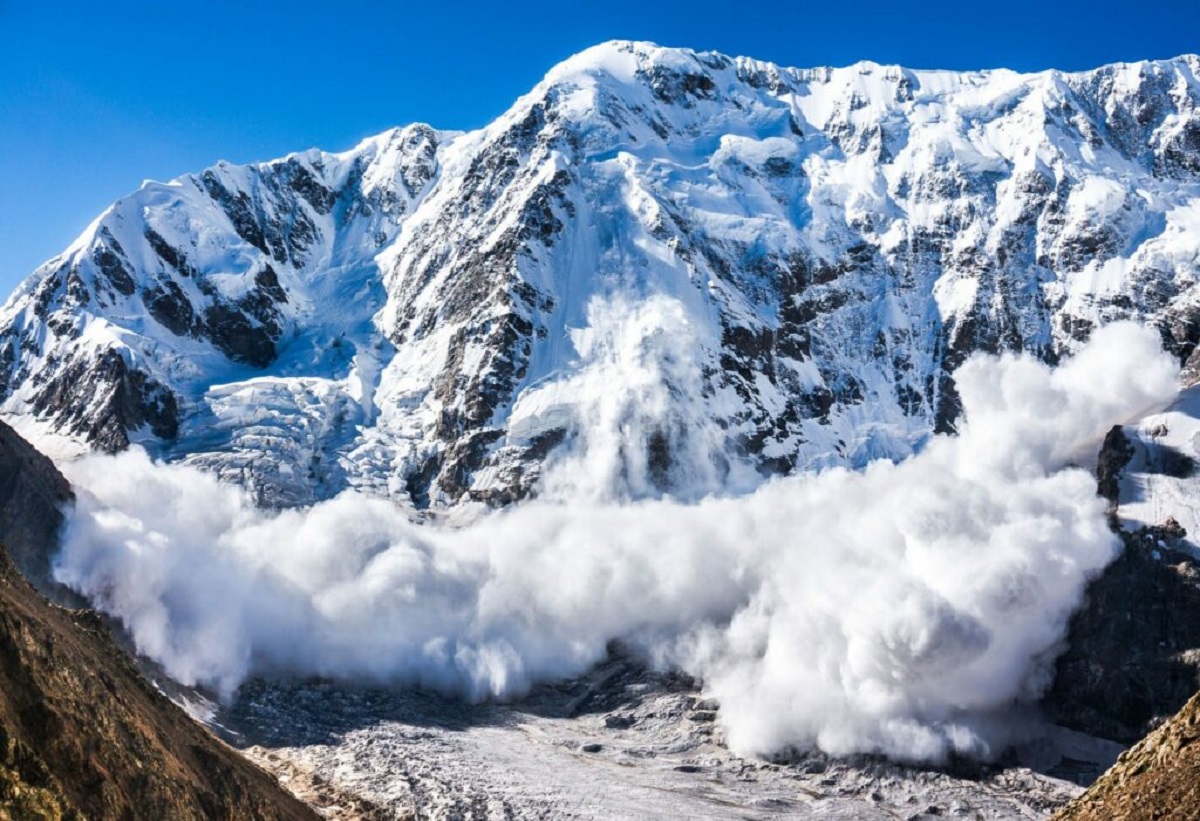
411	318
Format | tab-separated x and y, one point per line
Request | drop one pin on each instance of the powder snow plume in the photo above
899	610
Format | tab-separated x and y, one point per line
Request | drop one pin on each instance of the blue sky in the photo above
95	97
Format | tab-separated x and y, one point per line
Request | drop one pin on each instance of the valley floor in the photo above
619	743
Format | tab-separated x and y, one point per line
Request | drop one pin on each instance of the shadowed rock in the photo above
32	495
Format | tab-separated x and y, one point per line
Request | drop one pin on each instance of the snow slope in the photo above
1160	480
786	264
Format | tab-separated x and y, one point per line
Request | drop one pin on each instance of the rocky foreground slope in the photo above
32	496
792	261
82	733
1159	778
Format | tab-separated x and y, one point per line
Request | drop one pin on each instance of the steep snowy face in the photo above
181	298
695	269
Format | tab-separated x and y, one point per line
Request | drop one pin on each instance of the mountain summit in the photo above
747	269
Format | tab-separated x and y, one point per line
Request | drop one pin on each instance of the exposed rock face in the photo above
403	317
1134	648
1133	655
32	495
1115	453
1159	778
83	735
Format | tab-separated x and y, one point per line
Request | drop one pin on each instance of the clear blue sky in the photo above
97	96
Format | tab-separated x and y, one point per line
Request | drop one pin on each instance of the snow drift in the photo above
897	610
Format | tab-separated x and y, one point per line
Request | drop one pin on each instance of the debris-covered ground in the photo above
619	743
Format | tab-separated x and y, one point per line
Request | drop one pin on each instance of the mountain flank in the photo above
414	318
82	733
32	495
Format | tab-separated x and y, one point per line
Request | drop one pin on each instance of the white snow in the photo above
1156	485
892	611
673	196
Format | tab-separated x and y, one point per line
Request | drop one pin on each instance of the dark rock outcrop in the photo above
102	399
1115	454
32	496
1133	653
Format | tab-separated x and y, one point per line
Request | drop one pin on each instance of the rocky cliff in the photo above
32	496
1134	647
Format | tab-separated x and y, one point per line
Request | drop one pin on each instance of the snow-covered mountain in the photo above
742	269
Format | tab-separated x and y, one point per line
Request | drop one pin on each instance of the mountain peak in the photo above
627	60
414	317
612	56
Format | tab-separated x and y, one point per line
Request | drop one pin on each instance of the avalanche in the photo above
904	609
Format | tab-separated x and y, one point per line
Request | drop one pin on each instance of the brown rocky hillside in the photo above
32	493
1158	778
82	733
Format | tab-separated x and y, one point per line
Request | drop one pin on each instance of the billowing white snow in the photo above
899	610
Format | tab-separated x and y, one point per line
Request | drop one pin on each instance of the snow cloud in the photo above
899	609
